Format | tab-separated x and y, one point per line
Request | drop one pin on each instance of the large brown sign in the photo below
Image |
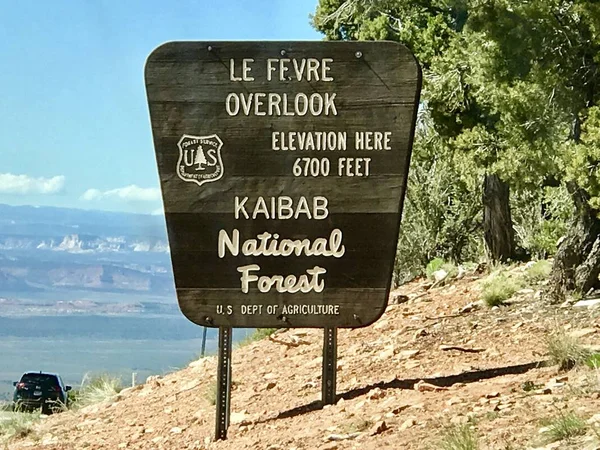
283	167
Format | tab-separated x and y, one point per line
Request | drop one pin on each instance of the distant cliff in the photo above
56	248
76	243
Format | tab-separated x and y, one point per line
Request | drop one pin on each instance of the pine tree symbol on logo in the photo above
200	158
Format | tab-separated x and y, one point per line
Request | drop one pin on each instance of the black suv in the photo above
40	390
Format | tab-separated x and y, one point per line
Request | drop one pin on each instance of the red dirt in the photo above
433	336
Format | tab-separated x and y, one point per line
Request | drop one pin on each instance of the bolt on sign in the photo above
283	167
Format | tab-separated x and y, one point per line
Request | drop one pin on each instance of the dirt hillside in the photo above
437	359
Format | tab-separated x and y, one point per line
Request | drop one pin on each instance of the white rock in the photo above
341	437
238	417
525	291
49	439
582	332
439	275
407	354
408	423
593	303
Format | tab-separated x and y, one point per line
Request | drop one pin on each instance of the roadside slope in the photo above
436	358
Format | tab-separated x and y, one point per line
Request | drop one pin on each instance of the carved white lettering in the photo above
282	207
309	140
302	208
260	208
233	245
354	167
267	244
372	140
232	104
294	310
232	76
320	210
239	207
288	69
246	69
316	104
304	283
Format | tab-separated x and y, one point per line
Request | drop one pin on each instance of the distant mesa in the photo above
109	252
75	243
47	228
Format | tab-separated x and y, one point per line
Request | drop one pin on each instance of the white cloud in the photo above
24	184
91	194
127	193
158	212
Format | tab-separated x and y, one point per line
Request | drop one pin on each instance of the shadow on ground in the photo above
447	381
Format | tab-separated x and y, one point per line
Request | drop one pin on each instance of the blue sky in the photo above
73	115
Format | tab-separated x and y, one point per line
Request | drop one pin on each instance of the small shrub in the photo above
442	209
438	264
469	267
5	406
73	396
459	438
539	271
498	289
257	335
593	361
565	426
433	266
18	424
529	386
97	389
450	269
211	393
262	333
492	415
358	425
541	218
565	351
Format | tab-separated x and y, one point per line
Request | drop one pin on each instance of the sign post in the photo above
223	382
328	380
283	167
203	348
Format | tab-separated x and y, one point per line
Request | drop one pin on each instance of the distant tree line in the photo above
505	162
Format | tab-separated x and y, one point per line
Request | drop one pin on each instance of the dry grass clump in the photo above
499	288
539	271
565	426
459	438
97	389
565	351
17	424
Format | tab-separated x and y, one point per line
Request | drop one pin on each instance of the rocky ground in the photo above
437	361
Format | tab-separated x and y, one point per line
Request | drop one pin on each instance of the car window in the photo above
39	378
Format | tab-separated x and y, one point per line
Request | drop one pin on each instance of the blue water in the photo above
74	346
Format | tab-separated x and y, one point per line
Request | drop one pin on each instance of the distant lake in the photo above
75	345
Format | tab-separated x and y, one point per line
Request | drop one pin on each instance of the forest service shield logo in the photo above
200	158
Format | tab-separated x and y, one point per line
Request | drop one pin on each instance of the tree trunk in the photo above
497	221
577	261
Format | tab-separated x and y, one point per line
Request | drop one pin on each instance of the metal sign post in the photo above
328	380
203	350
223	383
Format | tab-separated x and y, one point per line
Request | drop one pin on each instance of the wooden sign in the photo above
283	168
